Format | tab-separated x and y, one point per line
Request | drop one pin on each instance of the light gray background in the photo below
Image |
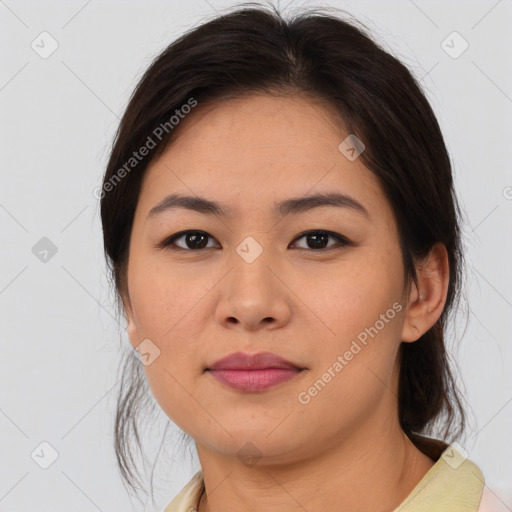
60	342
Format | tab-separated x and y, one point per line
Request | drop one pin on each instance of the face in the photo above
320	286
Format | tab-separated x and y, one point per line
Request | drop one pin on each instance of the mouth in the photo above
255	380
254	372
258	361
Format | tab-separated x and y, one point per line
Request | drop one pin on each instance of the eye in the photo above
193	240
318	239
196	240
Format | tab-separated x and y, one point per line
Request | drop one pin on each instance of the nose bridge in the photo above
251	259
252	296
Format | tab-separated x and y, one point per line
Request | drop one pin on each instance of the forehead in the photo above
246	150
260	121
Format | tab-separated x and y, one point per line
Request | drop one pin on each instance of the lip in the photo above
259	361
254	372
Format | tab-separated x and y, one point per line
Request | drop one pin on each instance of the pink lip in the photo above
254	380
253	372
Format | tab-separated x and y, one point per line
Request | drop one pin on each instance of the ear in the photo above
131	328
426	302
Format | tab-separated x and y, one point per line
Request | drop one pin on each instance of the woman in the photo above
283	234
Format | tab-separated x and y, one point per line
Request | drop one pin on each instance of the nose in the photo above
253	296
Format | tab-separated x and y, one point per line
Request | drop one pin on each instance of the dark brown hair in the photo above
320	55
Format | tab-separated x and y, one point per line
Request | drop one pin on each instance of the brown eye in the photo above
318	240
192	240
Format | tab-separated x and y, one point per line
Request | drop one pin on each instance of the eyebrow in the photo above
287	207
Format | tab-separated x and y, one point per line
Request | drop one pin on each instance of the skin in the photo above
302	303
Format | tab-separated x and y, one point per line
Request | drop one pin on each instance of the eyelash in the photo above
168	243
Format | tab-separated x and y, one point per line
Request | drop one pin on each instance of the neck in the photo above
366	472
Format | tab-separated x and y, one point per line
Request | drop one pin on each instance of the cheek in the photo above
162	299
163	308
355	369
156	314
353	299
362	310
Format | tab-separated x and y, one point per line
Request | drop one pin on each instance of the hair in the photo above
253	49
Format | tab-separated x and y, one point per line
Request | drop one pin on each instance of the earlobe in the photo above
426	302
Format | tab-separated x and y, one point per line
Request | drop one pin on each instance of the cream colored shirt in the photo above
452	484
